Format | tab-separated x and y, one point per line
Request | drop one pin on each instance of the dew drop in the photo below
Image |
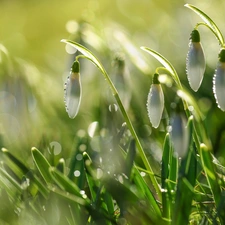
113	108
76	173
70	49
82	192
143	174
92	128
81	133
79	157
72	26
55	148
191	108
82	147
99	173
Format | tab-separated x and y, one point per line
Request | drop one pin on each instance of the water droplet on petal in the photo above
219	85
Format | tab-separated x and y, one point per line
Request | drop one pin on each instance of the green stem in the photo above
213	31
131	128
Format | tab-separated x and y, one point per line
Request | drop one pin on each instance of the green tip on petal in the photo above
195	36
155	79
222	55
75	67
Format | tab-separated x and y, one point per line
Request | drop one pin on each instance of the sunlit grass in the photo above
108	165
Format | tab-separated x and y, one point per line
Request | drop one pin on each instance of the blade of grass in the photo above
42	164
64	182
11	180
165	170
210	172
22	170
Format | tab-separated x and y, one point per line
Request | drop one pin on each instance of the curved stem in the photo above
213	31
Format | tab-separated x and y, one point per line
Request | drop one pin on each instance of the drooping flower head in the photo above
195	61
219	81
73	91
179	132
155	103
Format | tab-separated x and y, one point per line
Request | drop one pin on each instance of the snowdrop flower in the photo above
219	81
195	61
179	135
155	103
73	91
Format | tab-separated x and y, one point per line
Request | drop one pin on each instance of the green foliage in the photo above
108	174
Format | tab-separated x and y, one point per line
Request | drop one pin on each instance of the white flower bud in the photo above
219	81
195	61
73	91
179	135
155	103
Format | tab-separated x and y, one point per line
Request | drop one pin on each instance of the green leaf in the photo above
21	170
167	150
208	21
164	62
144	190
42	164
64	182
11	180
19	165
210	172
69	197
86	53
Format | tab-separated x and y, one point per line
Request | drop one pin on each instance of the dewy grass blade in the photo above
19	168
144	189
165	170
69	197
209	169
208	21
17	162
42	164
65	183
61	166
88	54
11	179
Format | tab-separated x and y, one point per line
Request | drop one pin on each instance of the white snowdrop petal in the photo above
195	65
219	85
155	104
73	92
179	135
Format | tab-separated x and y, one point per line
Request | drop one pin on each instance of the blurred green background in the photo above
34	65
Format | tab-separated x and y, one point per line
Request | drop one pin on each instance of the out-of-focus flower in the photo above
73	91
155	103
195	61
179	134
219	81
